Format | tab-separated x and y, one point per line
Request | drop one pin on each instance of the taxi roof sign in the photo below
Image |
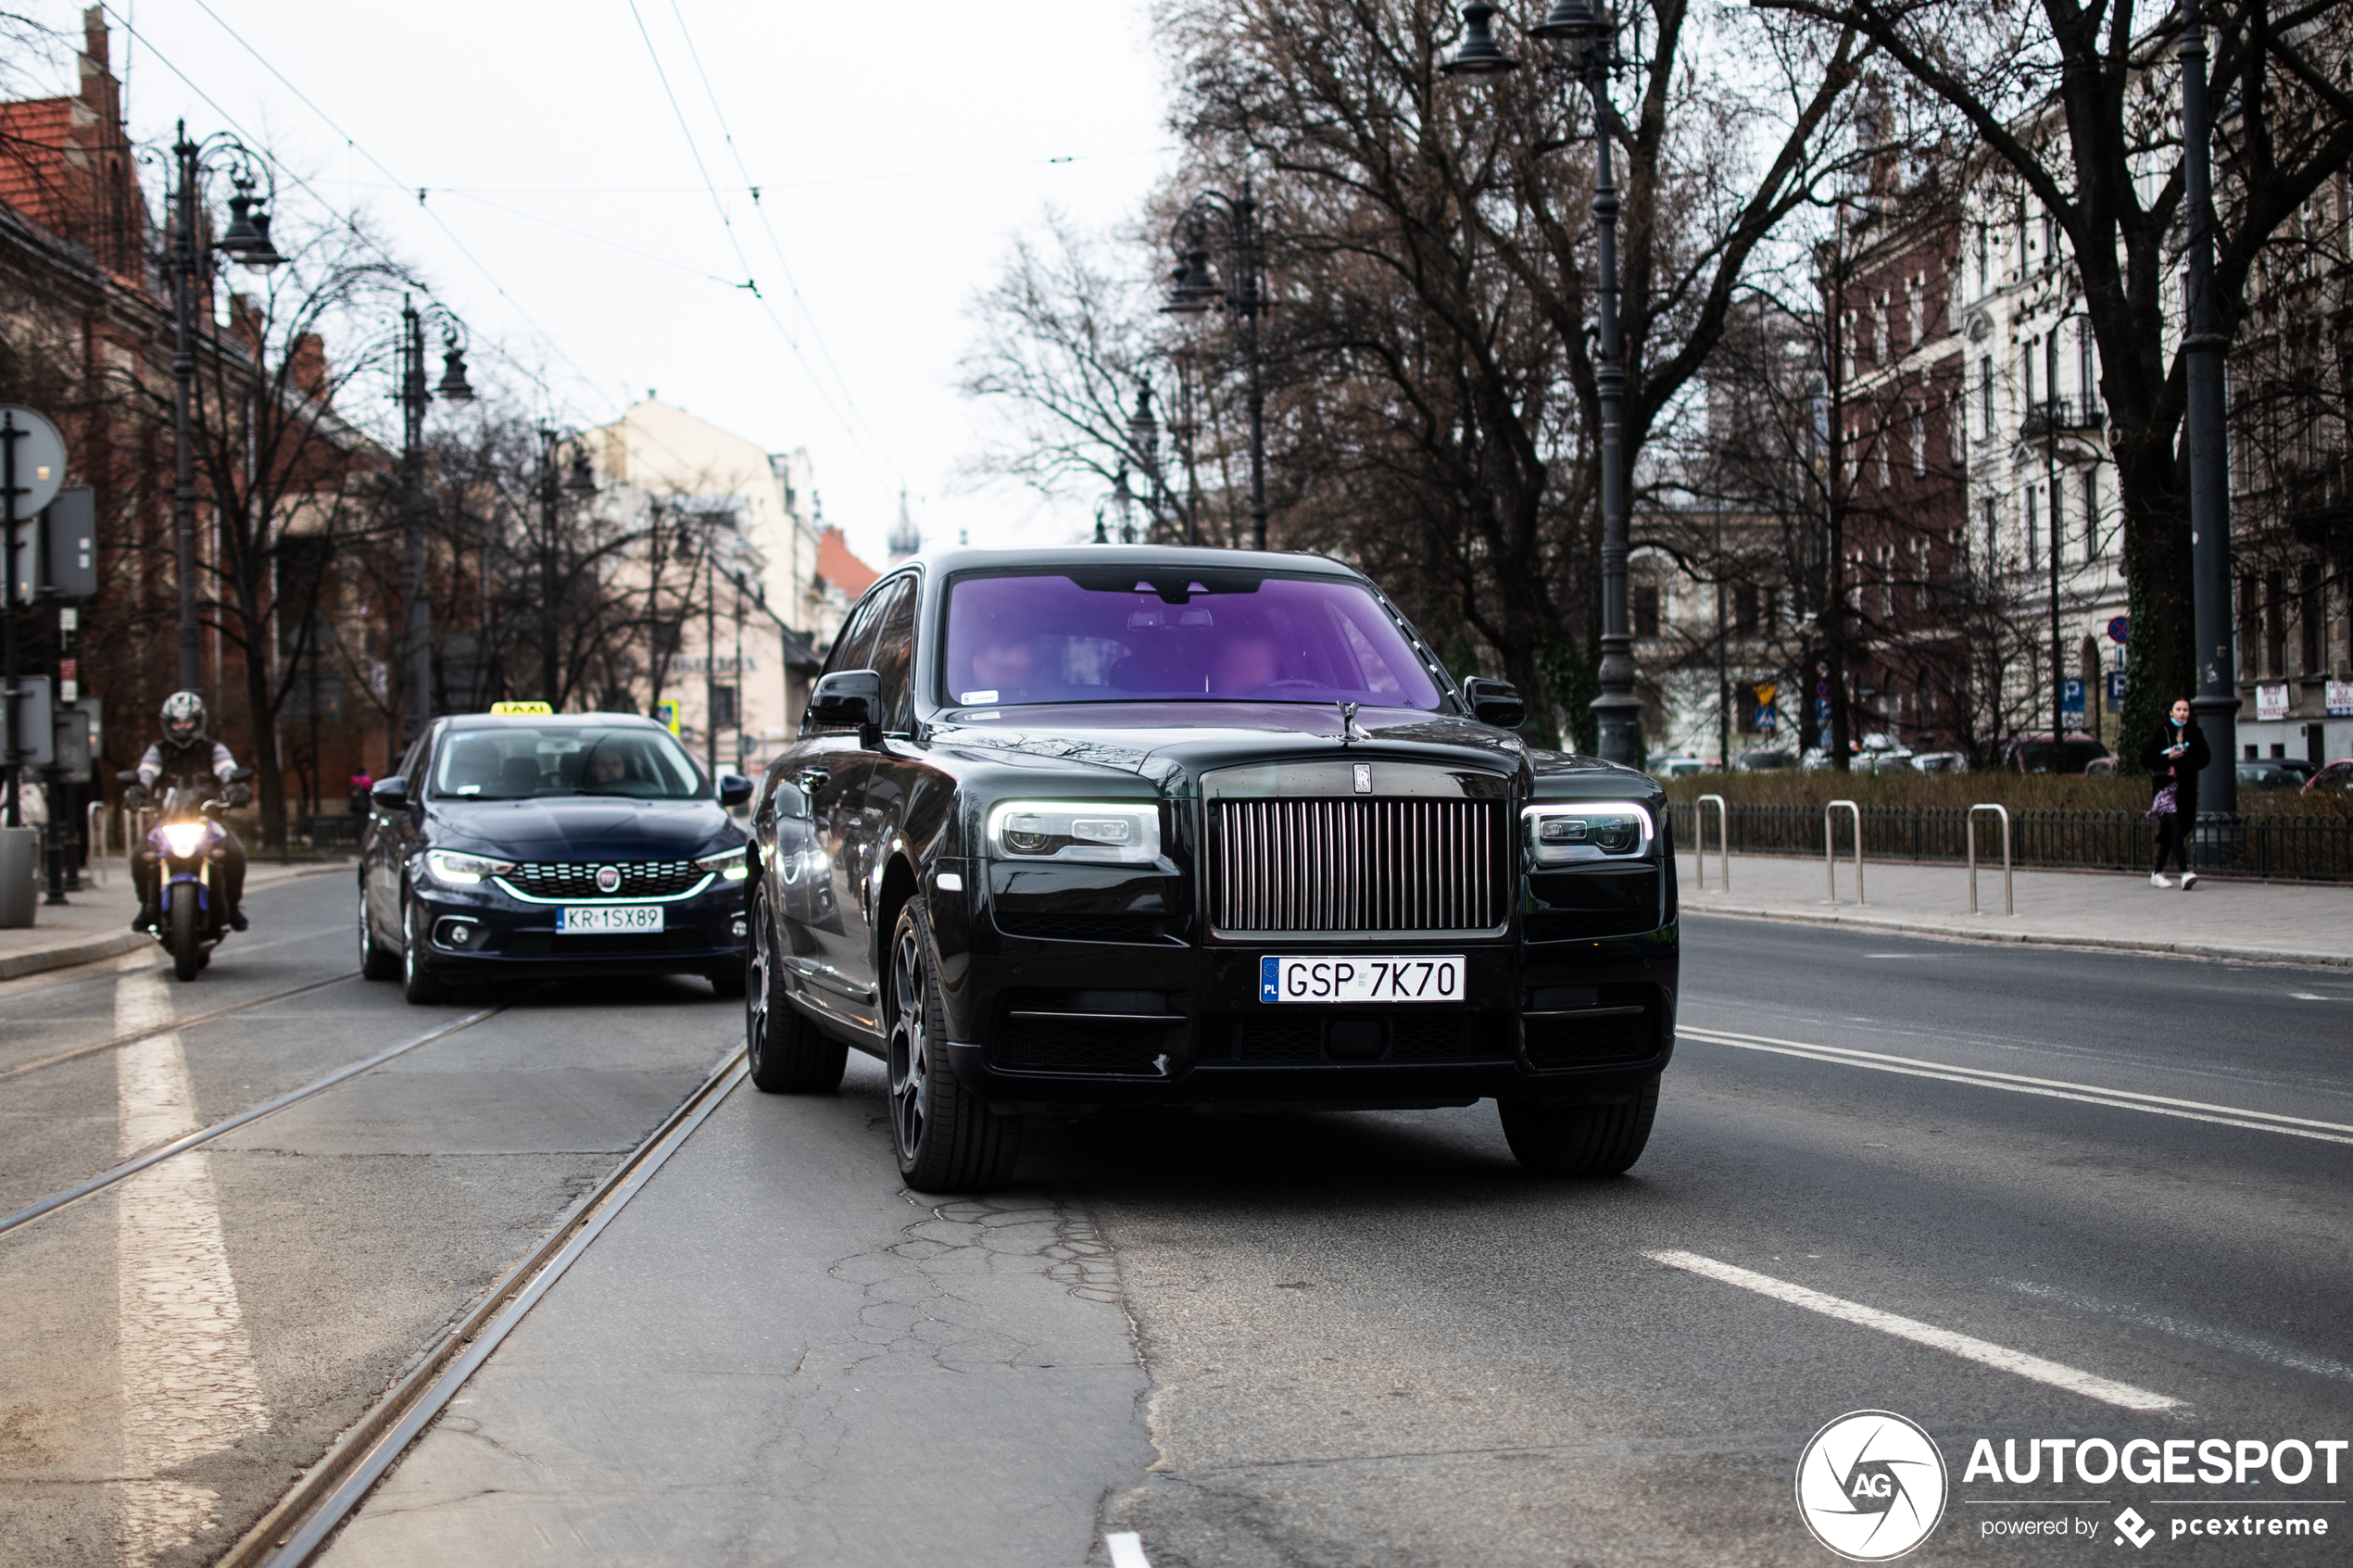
500	709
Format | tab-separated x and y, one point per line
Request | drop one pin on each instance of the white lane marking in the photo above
1126	1549
2218	1338
1984	1352
187	1369
2052	1088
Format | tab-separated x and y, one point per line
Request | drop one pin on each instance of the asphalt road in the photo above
2066	1198
2021	1197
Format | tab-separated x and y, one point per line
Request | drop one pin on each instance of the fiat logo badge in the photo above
608	879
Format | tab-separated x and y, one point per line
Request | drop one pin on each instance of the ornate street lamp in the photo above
246	241
1193	289
417	700
2215	705
1582	41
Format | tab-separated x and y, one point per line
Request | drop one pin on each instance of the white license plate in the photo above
1361	979
577	920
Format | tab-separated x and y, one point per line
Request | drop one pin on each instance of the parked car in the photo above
1676	766
2100	767
2274	772
1887	758
1765	760
519	847
1940	762
2034	753
2338	775
1150	826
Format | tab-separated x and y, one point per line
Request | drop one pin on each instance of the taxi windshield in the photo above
1200	635
519	762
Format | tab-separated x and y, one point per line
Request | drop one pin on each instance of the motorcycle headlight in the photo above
454	870
1571	831
1060	830
184	839
728	863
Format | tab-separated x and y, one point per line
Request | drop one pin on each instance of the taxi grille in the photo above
1347	865
577	879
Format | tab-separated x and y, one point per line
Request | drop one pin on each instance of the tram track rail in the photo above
75	1053
203	1136
309	1516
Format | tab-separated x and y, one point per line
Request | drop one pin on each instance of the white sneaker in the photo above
2158	879
2189	880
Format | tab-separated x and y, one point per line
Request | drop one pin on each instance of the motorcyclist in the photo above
186	757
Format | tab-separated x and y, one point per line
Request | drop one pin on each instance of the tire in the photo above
1580	1140
181	926
787	1054
946	1139
417	982
376	961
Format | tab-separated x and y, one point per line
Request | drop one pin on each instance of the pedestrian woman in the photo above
2174	758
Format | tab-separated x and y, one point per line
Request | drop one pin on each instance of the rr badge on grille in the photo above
1363	778
608	879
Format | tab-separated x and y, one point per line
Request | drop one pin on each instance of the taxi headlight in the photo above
1571	831
1060	830
184	839
728	863
454	870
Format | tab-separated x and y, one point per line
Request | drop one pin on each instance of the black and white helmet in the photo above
182	715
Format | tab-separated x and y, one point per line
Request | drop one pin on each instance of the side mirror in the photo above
733	789
391	795
1494	702
848	697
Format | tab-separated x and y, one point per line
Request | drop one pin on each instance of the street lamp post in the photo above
582	485
417	704
1195	288
246	241
2217	702
1583	42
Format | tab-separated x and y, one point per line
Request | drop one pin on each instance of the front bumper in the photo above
483	934
1037	1021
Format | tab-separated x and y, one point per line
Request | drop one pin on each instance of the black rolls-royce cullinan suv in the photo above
538	845
1140	826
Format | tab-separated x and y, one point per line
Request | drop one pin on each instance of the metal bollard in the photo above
95	825
1723	843
2009	905
1829	859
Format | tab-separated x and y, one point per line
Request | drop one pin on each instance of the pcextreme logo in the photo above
1871	1485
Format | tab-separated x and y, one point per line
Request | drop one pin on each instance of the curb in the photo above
2040	939
90	949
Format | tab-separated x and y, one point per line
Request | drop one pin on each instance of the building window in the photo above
1993	538
1919	443
2058	522
723	715
1645	610
1919	305
1744	609
2091	515
1985	392
2307	624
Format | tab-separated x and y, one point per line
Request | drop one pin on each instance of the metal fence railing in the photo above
2300	849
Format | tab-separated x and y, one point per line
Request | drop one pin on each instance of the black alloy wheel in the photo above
1580	1140
417	982
947	1140
376	961
787	1054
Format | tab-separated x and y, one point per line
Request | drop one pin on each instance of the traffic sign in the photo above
40	453
2117	628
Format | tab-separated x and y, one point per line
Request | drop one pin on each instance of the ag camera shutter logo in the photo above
1871	1485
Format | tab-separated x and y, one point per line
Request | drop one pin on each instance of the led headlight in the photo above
454	870
728	863
184	839
1059	830
1573	832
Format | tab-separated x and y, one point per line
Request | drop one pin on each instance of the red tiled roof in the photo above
838	565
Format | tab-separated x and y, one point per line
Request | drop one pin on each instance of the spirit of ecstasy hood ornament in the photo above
1349	728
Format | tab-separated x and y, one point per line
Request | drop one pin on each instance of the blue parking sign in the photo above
2071	696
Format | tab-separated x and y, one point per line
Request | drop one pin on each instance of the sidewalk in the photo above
2263	921
95	922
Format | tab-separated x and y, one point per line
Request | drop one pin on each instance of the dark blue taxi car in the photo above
524	847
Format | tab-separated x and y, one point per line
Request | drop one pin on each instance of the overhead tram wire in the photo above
727	135
541	333
883	467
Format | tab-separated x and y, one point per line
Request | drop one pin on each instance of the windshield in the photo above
1123	635
518	763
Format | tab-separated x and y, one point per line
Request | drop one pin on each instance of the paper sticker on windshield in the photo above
990	695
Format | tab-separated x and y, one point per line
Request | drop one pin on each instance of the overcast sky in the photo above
897	148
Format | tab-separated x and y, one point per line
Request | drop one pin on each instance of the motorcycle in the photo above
191	915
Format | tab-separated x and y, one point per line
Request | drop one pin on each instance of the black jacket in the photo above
2183	770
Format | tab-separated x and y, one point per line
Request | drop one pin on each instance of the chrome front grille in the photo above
1357	866
577	879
